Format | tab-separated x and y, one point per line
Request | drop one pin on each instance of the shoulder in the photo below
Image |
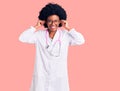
63	31
39	32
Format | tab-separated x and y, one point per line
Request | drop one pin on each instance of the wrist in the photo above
68	28
36	26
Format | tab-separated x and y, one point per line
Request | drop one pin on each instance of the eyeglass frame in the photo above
55	21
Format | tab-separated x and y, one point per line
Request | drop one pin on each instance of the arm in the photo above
75	38
28	36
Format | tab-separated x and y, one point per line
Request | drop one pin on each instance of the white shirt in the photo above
50	72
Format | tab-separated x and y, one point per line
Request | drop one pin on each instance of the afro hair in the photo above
52	9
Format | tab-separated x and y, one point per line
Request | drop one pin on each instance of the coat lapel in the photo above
55	38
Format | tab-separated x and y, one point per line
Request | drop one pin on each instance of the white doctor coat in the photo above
50	72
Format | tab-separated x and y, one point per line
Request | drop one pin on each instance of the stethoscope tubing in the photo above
58	40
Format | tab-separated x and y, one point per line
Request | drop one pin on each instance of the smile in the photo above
53	27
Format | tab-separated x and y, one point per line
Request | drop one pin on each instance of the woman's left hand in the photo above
65	24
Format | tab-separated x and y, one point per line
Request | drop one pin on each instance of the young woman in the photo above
50	69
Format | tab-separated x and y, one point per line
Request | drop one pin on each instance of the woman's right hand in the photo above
39	24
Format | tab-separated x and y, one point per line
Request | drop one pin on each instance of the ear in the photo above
60	25
45	25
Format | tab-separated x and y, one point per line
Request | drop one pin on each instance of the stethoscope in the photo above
51	49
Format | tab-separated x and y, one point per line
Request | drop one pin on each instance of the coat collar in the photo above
55	38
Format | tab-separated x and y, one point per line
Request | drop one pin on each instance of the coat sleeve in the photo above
28	36
75	38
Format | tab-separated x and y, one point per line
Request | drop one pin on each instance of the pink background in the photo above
94	66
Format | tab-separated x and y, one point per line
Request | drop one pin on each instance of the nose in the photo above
53	23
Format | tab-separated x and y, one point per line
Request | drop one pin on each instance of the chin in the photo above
53	30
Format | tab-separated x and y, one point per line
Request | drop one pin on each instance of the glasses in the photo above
55	21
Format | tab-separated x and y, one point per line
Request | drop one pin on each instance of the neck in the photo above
51	34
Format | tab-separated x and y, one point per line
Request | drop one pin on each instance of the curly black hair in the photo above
52	9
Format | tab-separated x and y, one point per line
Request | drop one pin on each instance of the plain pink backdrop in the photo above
94	66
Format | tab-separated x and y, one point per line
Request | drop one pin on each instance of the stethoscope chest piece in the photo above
47	46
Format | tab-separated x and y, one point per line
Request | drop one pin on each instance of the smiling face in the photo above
53	22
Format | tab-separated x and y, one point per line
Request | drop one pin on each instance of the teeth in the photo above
53	27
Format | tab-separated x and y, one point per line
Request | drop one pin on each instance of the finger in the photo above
43	22
62	21
39	20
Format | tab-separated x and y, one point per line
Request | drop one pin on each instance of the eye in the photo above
49	21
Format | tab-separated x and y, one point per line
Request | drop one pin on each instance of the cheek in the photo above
58	24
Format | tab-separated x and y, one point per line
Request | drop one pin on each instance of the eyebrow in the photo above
54	20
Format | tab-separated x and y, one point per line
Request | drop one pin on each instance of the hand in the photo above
65	24
39	24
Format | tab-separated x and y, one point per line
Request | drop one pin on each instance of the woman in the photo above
50	69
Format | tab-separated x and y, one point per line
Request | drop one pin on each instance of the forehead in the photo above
53	17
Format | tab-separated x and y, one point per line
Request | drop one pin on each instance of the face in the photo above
53	22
